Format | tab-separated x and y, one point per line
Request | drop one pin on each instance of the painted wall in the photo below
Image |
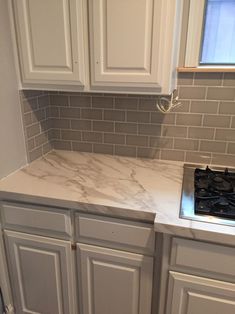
12	145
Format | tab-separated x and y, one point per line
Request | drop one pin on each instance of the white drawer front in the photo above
91	228
203	257
35	219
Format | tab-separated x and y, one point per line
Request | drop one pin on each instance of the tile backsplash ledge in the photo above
201	130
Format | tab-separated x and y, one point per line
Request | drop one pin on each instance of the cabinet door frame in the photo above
182	285
161	76
88	254
75	76
64	258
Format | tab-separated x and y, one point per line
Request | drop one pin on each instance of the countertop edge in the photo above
117	212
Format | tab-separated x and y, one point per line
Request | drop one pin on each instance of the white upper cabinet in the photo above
134	44
127	46
50	41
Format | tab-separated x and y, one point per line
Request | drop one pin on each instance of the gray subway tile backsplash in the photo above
231	148
191	120
227	107
185	79
103	149
137	140
225	135
79	124
219	121
186	144
174	131
103	126
33	130
93	137
92	114
82	147
127	128
221	93
192	92
173	154
63	145
71	135
208	79
125	103
102	102
114	138
124	150
114	115
229	79
80	101
70	112
226	160
201	132
145	152
202	129
204	106
213	146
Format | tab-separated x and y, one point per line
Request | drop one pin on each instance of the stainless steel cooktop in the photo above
187	210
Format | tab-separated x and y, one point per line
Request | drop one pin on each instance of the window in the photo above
211	34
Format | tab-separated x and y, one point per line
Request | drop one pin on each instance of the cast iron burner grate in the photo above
214	192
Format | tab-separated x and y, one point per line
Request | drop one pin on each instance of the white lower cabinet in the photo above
41	272
44	275
190	294
113	281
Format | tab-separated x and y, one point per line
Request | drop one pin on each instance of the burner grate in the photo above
214	192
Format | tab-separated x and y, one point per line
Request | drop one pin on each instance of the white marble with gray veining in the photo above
142	189
135	188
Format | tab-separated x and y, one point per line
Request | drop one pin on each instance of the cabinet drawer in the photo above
35	219
203	257
96	229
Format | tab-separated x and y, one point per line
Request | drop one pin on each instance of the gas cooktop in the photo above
208	194
214	192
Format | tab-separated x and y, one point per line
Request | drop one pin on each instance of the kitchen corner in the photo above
117	157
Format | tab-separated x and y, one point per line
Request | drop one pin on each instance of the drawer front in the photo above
35	219
203	257
95	229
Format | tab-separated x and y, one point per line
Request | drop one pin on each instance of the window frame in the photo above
193	41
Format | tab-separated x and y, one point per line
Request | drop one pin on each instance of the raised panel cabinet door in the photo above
50	40
41	273
128	43
198	295
113	281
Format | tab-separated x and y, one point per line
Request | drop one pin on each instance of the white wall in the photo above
12	145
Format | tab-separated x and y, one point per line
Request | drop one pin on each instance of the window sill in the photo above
206	69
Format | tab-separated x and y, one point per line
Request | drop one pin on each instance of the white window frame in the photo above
194	37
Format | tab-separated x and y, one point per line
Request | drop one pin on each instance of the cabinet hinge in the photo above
73	247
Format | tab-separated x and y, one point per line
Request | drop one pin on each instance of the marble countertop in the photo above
142	189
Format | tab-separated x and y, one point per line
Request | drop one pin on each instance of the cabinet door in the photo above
41	274
128	43
197	295
114	281
50	41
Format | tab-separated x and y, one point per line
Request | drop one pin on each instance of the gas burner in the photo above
221	184
214	192
222	204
